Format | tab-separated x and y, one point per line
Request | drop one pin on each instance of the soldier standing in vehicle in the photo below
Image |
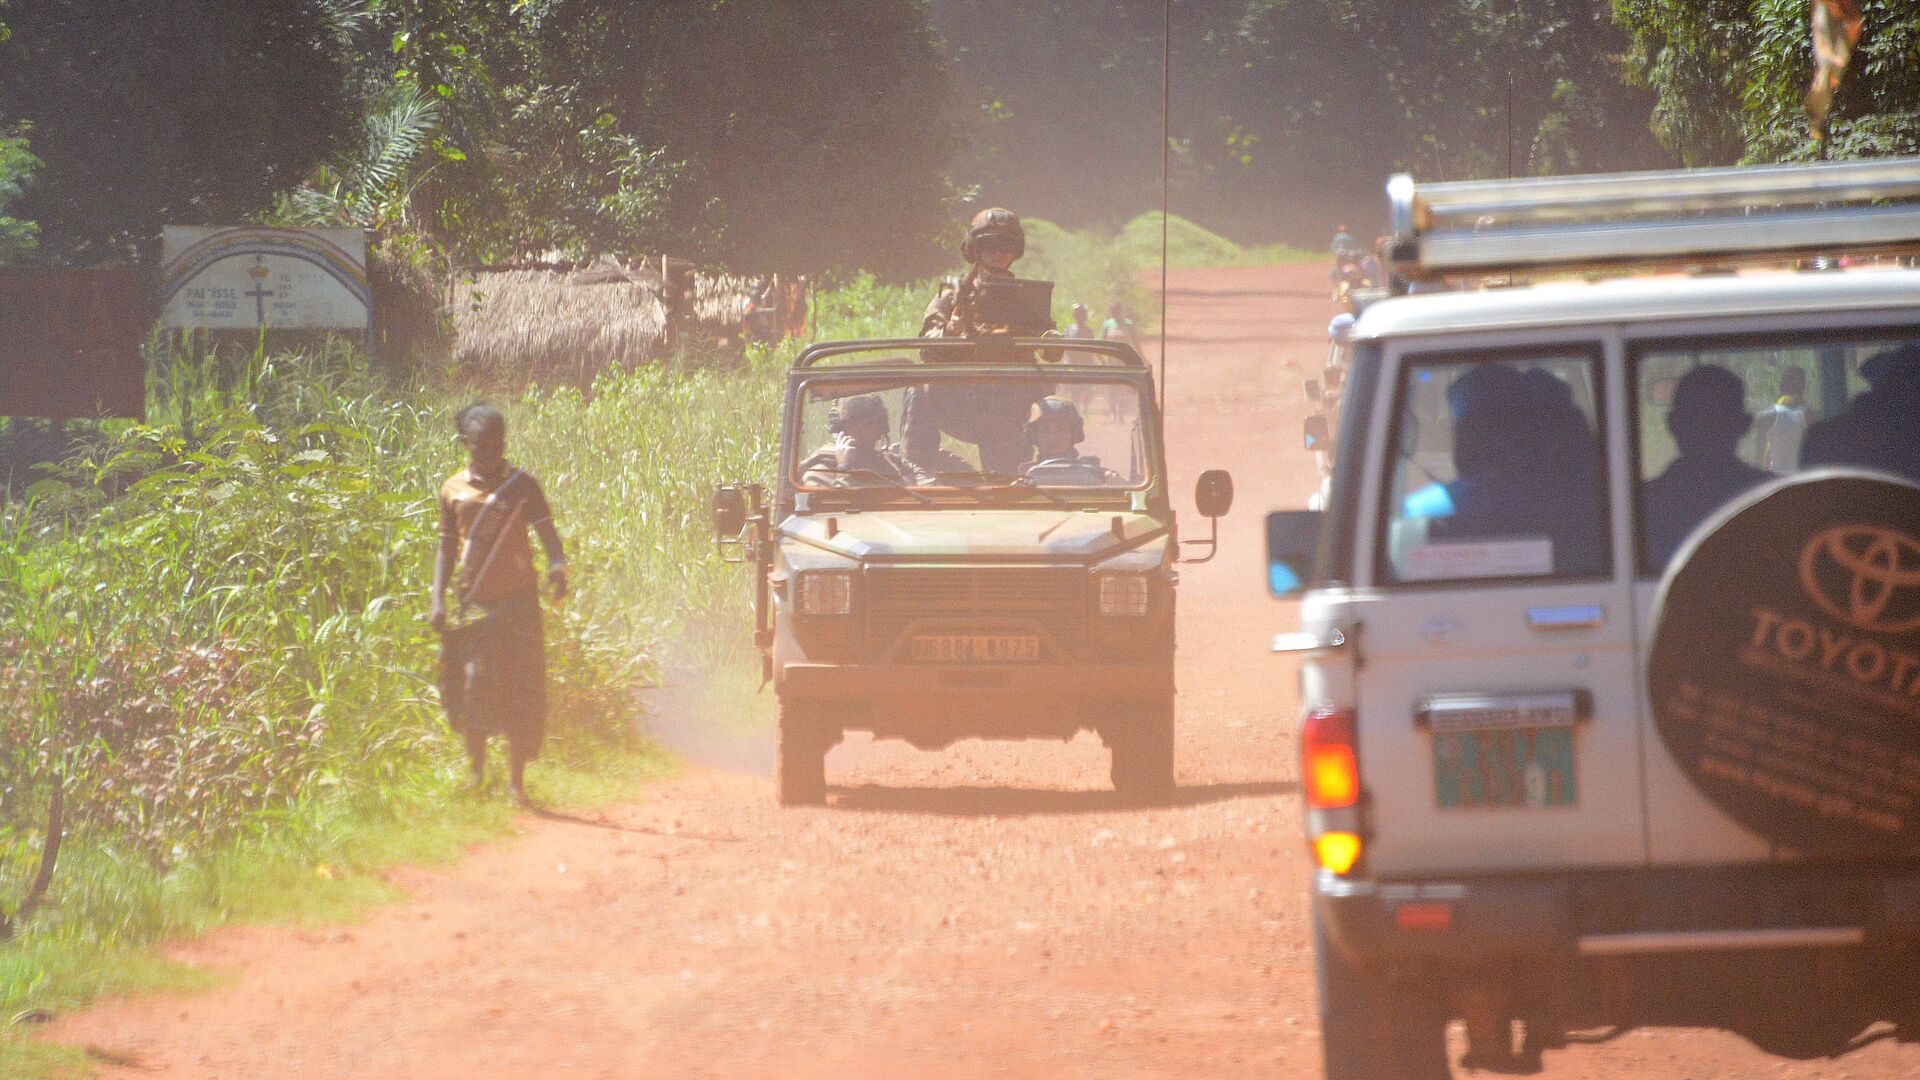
991	418
493	669
994	241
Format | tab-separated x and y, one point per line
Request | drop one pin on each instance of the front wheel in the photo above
1142	744
800	767
1373	1027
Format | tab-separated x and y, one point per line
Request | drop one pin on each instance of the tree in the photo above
1288	115
1730	75
831	157
175	111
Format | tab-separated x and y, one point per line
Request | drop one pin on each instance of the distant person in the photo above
1526	468
1881	427
1782	426
1708	419
1119	325
1345	245
493	669
1081	326
859	454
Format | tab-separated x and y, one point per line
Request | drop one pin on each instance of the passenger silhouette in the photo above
1526	467
1708	419
1881	428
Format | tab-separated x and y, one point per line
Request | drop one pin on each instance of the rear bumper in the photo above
1564	917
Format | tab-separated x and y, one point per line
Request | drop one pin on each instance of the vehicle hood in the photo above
1027	533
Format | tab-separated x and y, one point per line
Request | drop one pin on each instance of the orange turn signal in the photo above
1337	851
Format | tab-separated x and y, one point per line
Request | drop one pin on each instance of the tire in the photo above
1142	745
800	765
1374	1028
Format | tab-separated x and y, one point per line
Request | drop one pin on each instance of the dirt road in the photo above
983	911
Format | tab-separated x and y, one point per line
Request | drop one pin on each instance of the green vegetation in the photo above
211	628
17	166
1730	75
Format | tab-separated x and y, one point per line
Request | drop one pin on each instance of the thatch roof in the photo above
575	322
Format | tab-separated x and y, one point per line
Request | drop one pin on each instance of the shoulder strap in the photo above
493	500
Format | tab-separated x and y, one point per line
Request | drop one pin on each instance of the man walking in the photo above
493	669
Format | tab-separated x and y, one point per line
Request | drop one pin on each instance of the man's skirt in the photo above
493	674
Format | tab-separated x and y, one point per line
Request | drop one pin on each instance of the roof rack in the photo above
1653	219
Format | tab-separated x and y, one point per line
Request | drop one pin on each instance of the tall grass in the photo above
211	628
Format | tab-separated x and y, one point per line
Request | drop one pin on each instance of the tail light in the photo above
1330	775
1329	767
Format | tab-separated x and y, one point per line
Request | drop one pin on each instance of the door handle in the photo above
1576	617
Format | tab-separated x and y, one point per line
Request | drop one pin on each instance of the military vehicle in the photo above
968	537
1611	621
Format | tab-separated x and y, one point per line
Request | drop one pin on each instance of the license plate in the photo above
1504	767
975	648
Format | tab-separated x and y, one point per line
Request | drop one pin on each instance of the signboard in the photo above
1785	668
70	342
276	279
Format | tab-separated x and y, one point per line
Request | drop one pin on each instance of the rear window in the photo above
1497	470
1718	419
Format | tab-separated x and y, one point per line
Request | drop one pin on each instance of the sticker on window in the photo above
1531	557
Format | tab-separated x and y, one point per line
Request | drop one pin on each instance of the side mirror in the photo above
1313	389
1318	435
1293	543
1213	495
729	512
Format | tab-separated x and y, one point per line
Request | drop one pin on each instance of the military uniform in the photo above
990	417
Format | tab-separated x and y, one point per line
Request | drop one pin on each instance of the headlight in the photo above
825	592
1123	593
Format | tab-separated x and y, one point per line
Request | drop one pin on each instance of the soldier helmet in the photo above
1056	408
1340	329
994	223
852	413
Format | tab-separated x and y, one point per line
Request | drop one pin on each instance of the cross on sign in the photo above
260	293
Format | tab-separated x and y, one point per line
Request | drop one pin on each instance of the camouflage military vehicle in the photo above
967	538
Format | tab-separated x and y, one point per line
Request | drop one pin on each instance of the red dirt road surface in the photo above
987	910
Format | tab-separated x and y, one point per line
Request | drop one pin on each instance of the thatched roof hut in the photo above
574	322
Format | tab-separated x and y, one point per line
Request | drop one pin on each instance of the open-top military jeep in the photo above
967	538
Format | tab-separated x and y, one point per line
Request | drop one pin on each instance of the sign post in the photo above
265	279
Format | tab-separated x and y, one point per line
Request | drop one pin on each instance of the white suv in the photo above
1544	795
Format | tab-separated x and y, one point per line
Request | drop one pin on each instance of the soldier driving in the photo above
1056	429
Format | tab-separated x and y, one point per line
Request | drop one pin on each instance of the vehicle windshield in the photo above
1052	431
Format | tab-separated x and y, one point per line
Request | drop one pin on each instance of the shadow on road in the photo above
1023	802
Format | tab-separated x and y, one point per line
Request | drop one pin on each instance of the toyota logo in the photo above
1866	576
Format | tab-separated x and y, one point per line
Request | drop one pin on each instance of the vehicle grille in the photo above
987	598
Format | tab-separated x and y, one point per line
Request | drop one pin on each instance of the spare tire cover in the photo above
1784	671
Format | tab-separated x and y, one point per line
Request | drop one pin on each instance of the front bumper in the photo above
932	704
1562	917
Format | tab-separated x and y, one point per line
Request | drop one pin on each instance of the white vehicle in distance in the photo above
1611	623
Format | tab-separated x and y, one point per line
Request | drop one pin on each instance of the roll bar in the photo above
1119	352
